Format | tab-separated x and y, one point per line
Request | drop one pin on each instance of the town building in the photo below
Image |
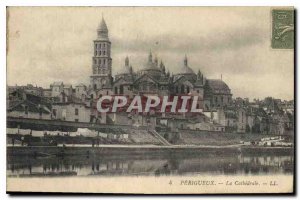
220	112
25	104
217	94
75	112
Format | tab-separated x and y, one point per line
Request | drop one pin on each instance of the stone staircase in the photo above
159	137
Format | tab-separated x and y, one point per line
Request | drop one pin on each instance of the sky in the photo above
47	44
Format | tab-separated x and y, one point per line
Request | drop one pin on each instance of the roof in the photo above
13	103
67	86
145	75
186	70
102	31
126	79
102	26
218	86
80	85
58	83
150	66
124	70
32	107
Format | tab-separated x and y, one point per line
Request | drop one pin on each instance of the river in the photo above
150	165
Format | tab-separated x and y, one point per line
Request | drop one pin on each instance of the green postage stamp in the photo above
283	29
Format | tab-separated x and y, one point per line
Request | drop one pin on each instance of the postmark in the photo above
282	29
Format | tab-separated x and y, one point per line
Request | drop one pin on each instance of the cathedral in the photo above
152	78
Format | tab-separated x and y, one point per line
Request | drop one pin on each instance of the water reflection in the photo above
155	166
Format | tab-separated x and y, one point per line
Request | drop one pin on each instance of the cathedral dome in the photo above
185	69
126	68
151	68
150	65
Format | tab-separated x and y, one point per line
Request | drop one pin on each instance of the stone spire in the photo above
161	65
126	61
168	73
185	61
150	57
102	30
156	61
130	69
199	74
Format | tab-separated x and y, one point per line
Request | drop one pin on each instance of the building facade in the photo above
152	79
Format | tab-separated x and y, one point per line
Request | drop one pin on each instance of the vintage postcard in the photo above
150	100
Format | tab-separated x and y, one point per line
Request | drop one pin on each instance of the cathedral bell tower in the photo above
101	76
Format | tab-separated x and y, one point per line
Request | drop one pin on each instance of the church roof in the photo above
150	65
124	69
218	86
102	26
185	69
102	31
126	79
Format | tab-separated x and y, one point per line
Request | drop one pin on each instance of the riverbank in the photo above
44	151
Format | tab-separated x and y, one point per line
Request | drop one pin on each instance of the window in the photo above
100	45
103	52
121	89
116	90
26	110
76	120
242	117
95	61
187	89
40	112
54	112
100	61
222	99
76	111
100	53
104	62
95	86
104	45
182	89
